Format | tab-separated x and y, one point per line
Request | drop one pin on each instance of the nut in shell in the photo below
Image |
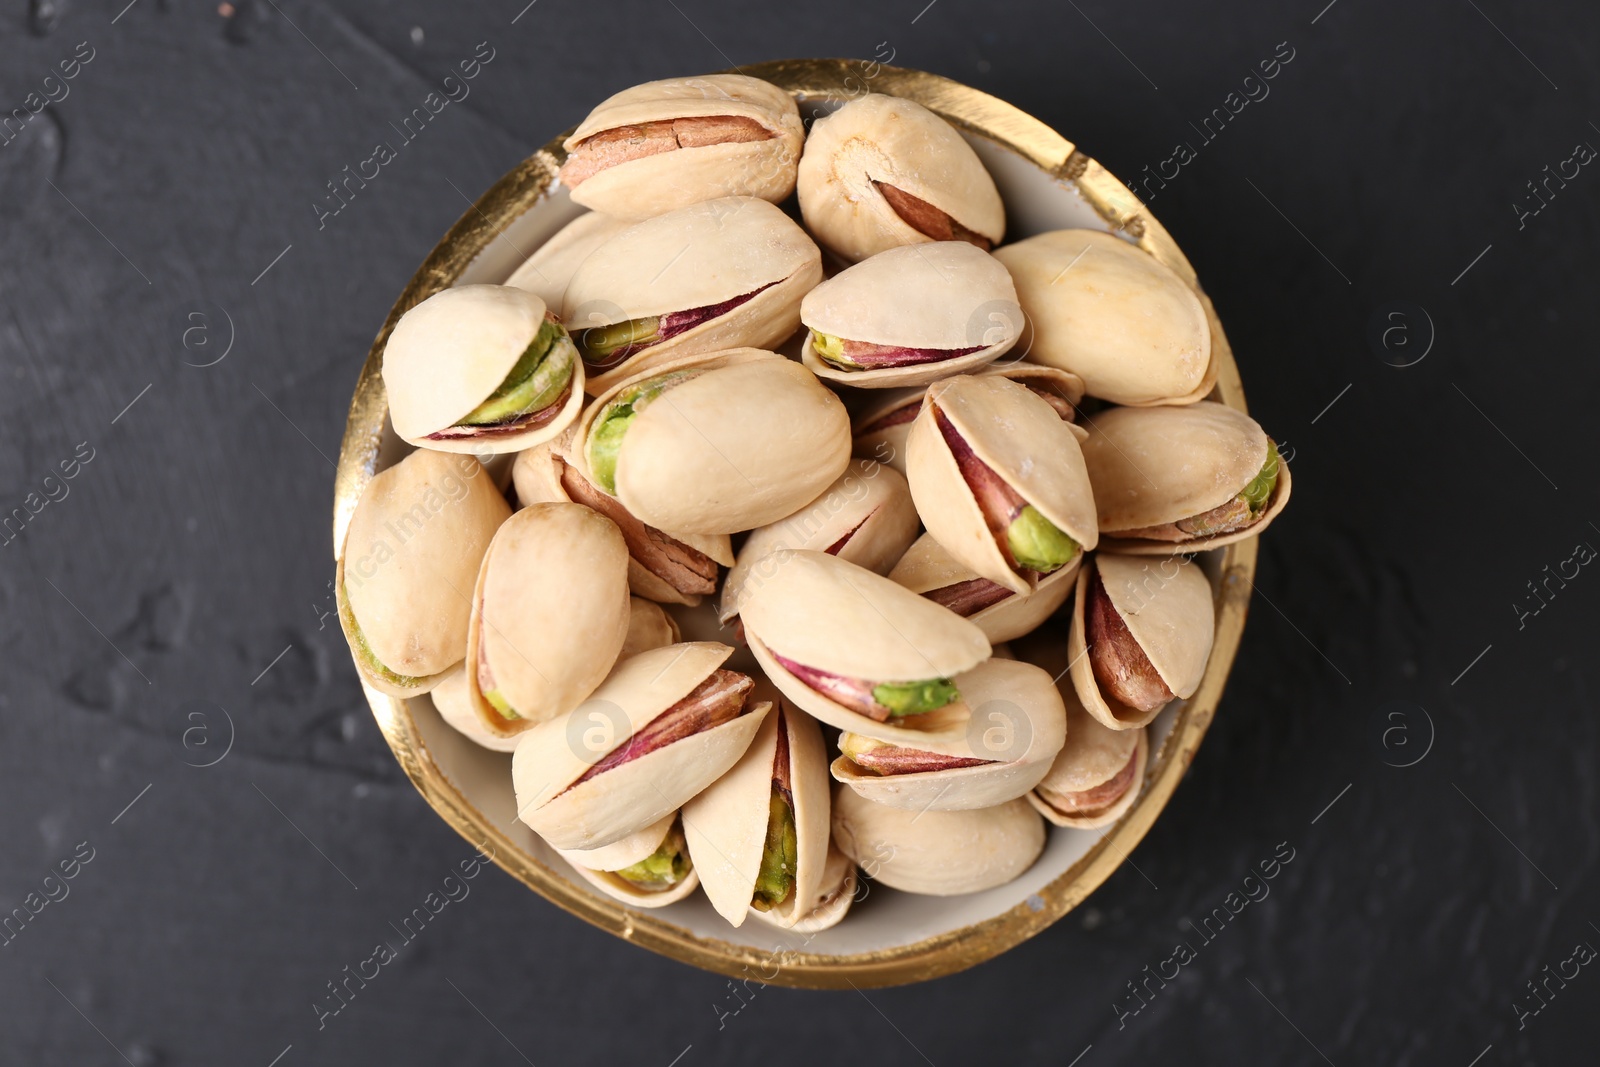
650	868
938	853
547	271
1002	614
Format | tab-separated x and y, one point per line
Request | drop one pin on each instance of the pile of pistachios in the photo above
941	494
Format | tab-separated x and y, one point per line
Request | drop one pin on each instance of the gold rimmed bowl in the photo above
889	937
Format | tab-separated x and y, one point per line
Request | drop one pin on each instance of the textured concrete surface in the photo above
181	325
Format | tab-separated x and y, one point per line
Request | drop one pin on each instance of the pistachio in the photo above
547	271
649	868
939	853
450	700
648	627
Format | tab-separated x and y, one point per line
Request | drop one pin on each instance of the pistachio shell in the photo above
549	612
547	271
1018	723
869	503
696	257
947	295
1111	313
412	549
596	866
878	138
834	898
1024	441
939	853
1168	608
749	440
627	798
926	566
649	626
455	708
726	825
1153	466
537	477
1093	756
648	186
446	356
831	615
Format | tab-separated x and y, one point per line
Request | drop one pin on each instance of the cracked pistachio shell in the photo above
1092	756
624	800
726	825
413	546
945	295
869	503
537	477
751	438
938	853
1024	441
696	257
549	613
455	708
1168	608
645	187
831	615
446	356
546	273
926	566
1018	723
649	626
834	898
1113	314
887	444
596	865
1153	466
879	138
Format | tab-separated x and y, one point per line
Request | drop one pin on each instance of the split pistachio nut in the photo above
834	897
1182	479
880	430
911	315
413	546
1106	310
667	144
882	172
715	443
547	271
759	834
650	868
999	480
649	626
663	726
450	699
1018	725
1141	636
938	853
664	568
1096	776
866	517
722	274
859	652
549	615
1002	614
481	369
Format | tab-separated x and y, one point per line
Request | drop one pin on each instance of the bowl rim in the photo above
982	115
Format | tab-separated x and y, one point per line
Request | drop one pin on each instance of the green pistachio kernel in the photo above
364	651
662	869
775	880
537	380
831	349
501	704
1037	544
1259	491
914	698
605	439
600	343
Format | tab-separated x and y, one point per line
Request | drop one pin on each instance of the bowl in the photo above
889	938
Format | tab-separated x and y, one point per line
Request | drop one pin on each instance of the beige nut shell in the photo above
938	853
549	612
831	615
412	549
870	503
726	825
649	626
901	143
752	438
943	295
1018	435
537	477
596	866
1092	756
1168	608
448	353
1102	308
455	708
547	271
1153	466
696	257
926	566
642	188
627	798
1018	723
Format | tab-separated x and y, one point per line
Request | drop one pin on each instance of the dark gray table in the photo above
182	325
